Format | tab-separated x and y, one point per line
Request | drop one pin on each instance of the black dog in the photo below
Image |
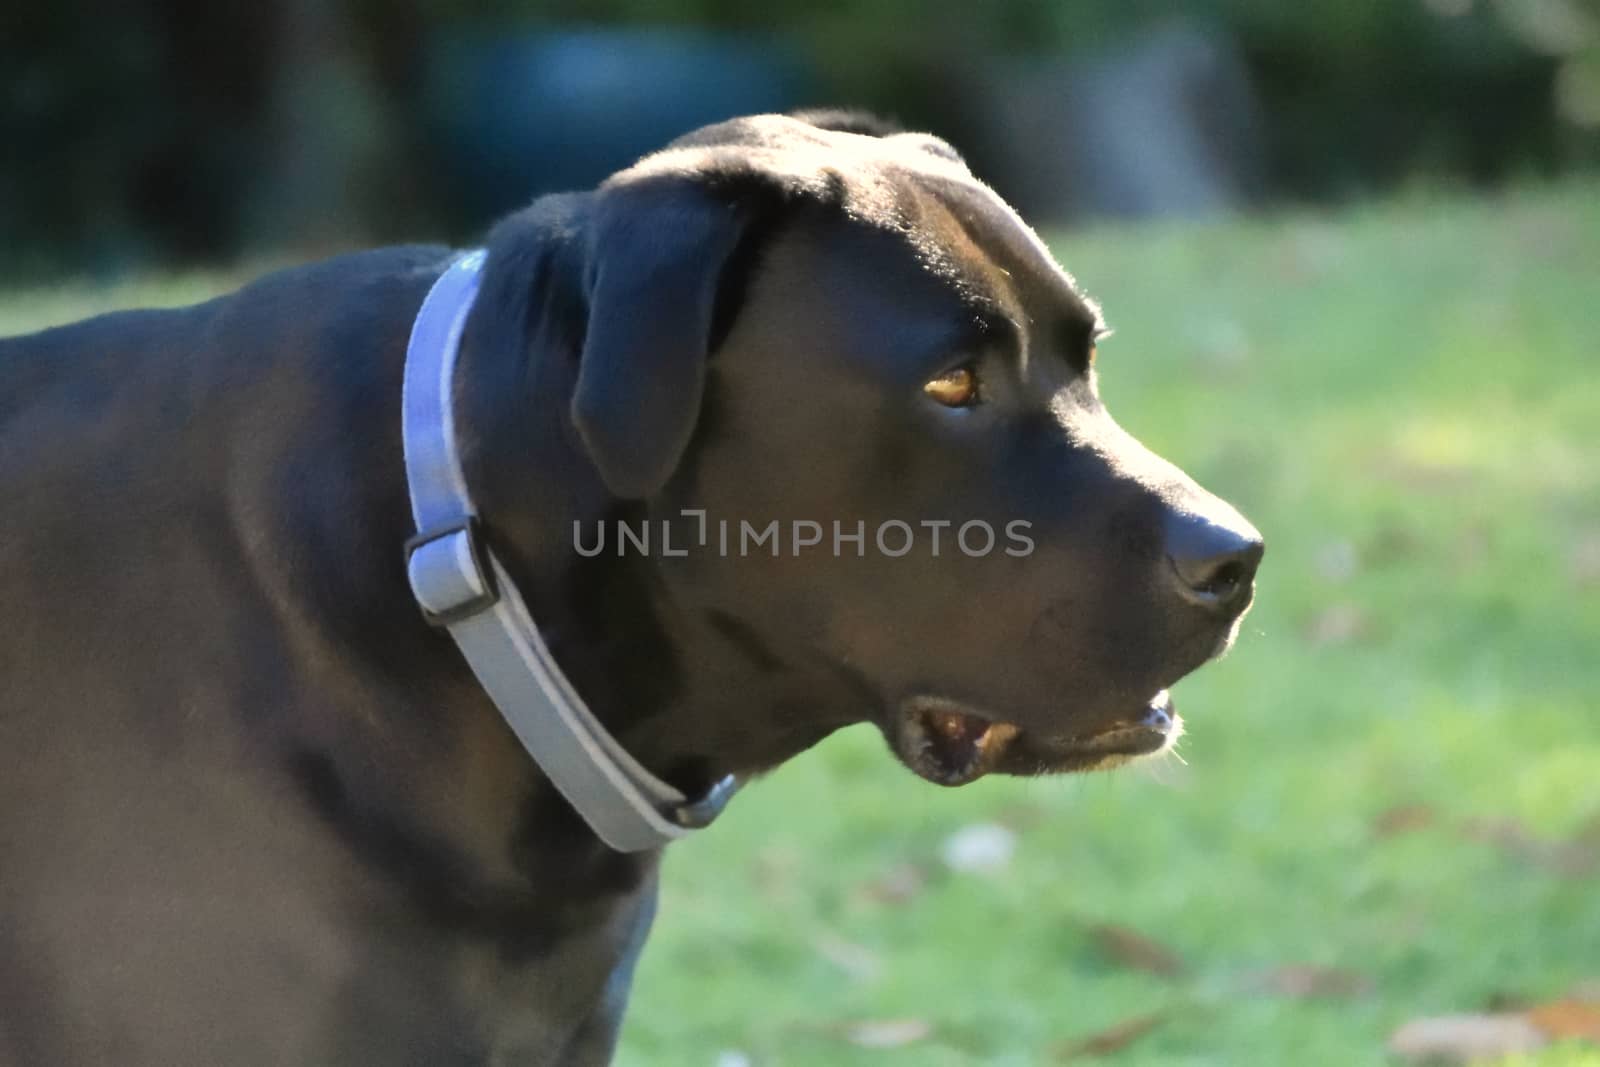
255	809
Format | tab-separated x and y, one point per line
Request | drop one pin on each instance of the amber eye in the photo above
956	389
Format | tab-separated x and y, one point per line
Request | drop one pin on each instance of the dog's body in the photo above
251	813
254	810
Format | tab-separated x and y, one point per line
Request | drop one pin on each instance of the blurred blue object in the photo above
523	114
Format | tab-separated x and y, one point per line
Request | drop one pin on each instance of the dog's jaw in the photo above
950	743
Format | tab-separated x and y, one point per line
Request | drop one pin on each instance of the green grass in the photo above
1406	400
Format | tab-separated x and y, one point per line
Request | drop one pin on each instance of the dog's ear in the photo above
658	249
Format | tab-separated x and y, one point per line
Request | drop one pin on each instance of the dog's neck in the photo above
686	697
485	845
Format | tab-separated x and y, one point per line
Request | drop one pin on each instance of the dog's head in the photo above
818	324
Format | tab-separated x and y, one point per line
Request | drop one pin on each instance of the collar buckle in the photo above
450	573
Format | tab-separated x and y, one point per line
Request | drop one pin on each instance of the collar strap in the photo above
463	588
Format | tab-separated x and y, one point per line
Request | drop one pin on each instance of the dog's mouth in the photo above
950	743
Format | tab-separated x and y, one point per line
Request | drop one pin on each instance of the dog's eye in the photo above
954	389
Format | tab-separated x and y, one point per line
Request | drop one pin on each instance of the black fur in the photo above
254	810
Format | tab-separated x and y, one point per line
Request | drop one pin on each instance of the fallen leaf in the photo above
896	885
1403	819
1134	950
1565	1020
982	848
857	961
1111	1040
1466	1038
1308	980
1575	857
1502	833
887	1033
1580	853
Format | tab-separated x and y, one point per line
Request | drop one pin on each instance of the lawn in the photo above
1388	801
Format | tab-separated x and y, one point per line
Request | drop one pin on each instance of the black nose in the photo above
1215	561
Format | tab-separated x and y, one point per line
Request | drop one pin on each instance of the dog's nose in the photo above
1214	562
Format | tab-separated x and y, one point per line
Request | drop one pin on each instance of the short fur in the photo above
254	810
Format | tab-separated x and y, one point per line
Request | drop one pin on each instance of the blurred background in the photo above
162	132
1352	253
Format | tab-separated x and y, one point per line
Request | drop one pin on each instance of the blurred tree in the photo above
130	127
1358	94
170	129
